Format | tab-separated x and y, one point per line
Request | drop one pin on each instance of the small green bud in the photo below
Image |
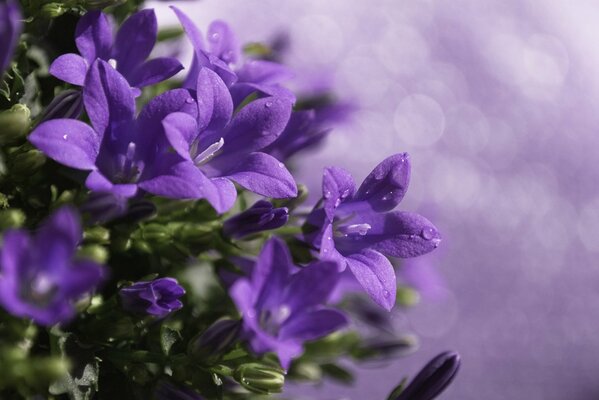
94	252
99	4
156	233
53	10
27	162
260	378
15	123
407	296
12	218
97	234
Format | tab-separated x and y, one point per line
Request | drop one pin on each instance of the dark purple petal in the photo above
158	298
192	31
387	184
67	104
67	141
214	101
107	97
184	181
180	129
376	275
10	30
65	224
99	183
313	325
398	233
154	71
264	72
83	275
311	286
337	185
270	273
15	248
264	175
135	41
71	68
260	217
222	41
93	36
433	379
256	125
176	100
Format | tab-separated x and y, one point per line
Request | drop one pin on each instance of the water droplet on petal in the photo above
327	195
281	165
386	293
268	104
214	37
65	137
265	132
427	233
189	101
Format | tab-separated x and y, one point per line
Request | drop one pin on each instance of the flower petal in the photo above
387	184
222	41
180	129
84	276
135	41
70	68
93	36
265	175
376	275
398	234
337	185
214	101
99	183
270	273
191	30
154	71
264	72
67	141
313	325
107	97
10	30
311	286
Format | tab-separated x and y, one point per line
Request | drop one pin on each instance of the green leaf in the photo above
398	389
168	337
337	373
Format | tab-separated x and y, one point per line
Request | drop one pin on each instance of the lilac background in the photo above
496	101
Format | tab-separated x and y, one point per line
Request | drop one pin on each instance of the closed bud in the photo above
12	218
214	341
260	217
156	233
260	378
27	162
15	123
96	234
67	104
94	252
433	379
99	4
53	10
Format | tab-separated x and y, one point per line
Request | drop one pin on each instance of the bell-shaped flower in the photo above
127	52
39	277
358	228
282	306
158	298
123	153
221	147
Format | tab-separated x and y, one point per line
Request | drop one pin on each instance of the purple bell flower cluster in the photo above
232	125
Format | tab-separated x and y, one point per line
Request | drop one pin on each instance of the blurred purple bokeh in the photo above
497	103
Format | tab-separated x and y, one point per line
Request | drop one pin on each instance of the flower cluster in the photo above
149	258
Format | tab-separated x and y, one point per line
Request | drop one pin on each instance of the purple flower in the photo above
358	228
127	52
223	56
159	297
68	104
124	154
260	217
282	306
10	30
39	279
220	147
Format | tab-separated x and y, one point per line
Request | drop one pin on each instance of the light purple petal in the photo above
15	248
99	183
180	129
311	286
84	276
257	125
93	36
154	71
10	30
337	185
192	31
376	275
387	184
264	72
214	101
135	41
265	175
64	222
270	273
107	97
399	234
222	42
313	325
70	68
67	141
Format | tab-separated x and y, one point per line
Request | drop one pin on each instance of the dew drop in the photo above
327	195
281	165
386	293
189	101
427	233
268	104
344	194
65	137
214	37
265	132
337	202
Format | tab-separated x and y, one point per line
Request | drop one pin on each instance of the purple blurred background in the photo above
497	103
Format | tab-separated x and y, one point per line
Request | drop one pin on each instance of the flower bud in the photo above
260	378
15	123
53	10
214	341
433	379
27	162
158	298
260	217
12	218
94	252
96	234
67	104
